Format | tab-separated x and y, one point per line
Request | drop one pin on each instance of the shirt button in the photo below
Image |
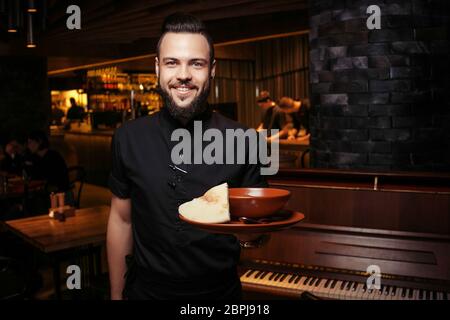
172	184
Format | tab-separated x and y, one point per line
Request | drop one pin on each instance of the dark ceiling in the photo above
112	29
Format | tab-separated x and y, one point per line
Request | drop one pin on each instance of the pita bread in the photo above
212	207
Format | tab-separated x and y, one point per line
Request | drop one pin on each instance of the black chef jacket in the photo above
142	170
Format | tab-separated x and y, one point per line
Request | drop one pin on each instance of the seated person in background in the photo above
290	119
303	117
46	164
284	119
14	156
266	104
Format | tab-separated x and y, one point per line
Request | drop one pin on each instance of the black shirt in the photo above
141	171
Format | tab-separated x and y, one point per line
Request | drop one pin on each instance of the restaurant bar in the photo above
224	150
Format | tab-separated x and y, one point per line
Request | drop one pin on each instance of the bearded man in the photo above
152	254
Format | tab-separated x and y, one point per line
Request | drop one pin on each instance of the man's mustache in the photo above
185	84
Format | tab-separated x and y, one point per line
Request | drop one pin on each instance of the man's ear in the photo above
157	67
213	69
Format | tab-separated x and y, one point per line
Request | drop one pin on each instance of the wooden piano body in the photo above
395	221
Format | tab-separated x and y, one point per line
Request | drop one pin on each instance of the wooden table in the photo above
86	228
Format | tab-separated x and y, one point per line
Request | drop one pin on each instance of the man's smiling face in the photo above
184	71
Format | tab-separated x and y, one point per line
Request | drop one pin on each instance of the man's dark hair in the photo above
185	23
41	138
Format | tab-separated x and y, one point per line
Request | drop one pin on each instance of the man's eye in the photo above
198	64
170	63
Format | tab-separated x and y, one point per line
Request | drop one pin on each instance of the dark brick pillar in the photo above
24	95
380	97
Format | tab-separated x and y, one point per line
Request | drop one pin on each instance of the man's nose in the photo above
184	73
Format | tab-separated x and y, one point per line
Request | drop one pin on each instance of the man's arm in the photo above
119	243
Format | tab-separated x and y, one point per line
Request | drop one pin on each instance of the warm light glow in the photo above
31	46
12	30
32	10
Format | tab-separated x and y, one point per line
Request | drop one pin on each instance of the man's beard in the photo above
189	112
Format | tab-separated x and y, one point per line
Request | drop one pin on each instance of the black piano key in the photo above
297	279
403	292
250	272
348	286
410	293
311	281
272	276
393	291
389	290
364	288
333	283
291	278
264	275
444	295
343	284
278	276
420	294
306	281
382	289
283	277
355	285
427	295
327	283
258	274
435	297
317	282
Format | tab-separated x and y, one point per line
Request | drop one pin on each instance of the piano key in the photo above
299	284
327	283
291	281
337	291
434	297
319	290
249	273
361	290
421	294
396	293
292	277
333	283
297	279
311	281
258	274
283	277
277	275
261	278
265	280
410	293
403	293
357	291
306	280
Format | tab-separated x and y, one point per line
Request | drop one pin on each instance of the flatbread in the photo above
212	207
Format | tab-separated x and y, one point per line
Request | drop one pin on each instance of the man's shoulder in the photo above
222	122
137	126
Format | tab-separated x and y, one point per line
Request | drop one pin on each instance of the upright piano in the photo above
366	235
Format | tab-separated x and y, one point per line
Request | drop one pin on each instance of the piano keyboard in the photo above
295	284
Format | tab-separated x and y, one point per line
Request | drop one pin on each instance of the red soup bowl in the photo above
257	202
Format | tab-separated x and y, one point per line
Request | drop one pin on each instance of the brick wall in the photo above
380	97
24	95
